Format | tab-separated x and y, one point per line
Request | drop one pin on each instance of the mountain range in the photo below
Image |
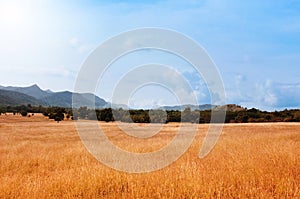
34	95
191	106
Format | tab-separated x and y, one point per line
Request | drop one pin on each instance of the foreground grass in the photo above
45	159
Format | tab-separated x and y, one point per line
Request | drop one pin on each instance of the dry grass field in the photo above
45	159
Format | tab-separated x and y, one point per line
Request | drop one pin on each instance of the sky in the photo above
254	44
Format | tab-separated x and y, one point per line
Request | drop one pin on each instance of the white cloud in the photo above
265	95
80	47
74	42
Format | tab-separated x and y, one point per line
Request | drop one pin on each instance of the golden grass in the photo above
44	159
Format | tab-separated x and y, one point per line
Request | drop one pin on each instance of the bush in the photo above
68	116
59	117
24	113
297	116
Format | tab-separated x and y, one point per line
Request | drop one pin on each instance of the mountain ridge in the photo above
34	95
12	98
202	107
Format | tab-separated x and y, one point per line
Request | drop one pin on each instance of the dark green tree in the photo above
24	113
59	117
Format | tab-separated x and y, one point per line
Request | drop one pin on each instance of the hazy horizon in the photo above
148	107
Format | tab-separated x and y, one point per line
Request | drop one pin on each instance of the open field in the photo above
44	159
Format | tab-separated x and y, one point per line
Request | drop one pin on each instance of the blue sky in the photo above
255	44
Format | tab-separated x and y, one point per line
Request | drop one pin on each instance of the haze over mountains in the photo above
34	95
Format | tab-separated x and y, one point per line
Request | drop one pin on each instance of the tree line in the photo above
55	113
154	116
187	115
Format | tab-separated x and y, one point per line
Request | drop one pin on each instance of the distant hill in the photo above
231	108
33	91
13	98
192	107
36	96
64	99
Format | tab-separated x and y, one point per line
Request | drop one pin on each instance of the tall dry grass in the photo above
45	159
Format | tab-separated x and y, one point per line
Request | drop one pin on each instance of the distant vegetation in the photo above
57	106
55	113
234	114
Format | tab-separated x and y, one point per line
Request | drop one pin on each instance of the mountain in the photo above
192	107
36	96
33	91
231	108
64	99
49	91
12	98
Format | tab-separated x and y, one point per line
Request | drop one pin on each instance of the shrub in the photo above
24	113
